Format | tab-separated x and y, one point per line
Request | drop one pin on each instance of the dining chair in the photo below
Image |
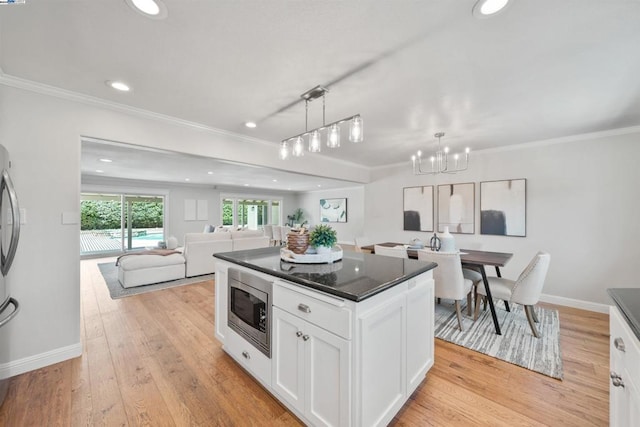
268	231
397	252
284	230
525	290
450	282
277	235
360	242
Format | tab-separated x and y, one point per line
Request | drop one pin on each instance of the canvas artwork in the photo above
503	206
418	208
456	207
333	210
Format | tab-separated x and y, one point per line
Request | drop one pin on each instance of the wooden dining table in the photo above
476	260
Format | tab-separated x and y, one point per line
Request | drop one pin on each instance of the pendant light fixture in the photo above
439	162
356	129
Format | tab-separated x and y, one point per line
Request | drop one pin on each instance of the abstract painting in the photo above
456	207
503	207
418	208
333	210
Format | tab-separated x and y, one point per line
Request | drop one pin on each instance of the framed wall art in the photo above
456	207
503	207
333	210
418	208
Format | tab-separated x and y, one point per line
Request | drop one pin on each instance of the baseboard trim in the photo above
41	360
575	303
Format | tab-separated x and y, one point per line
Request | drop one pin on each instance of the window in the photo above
120	222
250	213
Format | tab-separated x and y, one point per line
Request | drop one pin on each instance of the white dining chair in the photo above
284	230
276	230
268	231
525	290
397	252
360	242
450	282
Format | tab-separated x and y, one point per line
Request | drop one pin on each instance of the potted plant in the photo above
296	219
323	237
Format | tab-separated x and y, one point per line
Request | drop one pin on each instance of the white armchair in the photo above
398	251
268	231
525	290
450	282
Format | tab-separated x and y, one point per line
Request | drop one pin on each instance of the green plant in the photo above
323	235
297	217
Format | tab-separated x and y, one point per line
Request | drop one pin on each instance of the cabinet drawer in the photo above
326	312
622	334
249	357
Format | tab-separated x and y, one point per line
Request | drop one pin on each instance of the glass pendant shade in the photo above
314	142
333	136
284	150
356	129
298	147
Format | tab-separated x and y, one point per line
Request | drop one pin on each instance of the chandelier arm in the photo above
308	131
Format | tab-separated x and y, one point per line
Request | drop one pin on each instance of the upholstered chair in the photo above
397	252
268	231
525	290
284	230
277	233
450	282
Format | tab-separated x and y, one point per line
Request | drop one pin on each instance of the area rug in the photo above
110	273
516	345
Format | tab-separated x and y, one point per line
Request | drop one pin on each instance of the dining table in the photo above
470	258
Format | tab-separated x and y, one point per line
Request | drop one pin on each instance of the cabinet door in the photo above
381	362
327	377
420	340
221	303
288	358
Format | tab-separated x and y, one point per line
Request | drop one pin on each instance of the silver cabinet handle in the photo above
299	334
304	308
616	380
306	337
246	355
6	260
618	343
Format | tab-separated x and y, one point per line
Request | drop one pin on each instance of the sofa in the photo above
200	247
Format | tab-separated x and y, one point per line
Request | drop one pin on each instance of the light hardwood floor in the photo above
152	359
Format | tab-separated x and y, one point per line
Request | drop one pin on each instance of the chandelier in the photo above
315	135
439	162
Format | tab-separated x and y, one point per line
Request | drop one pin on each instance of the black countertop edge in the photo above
625	299
328	289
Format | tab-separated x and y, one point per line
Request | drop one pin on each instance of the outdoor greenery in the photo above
106	214
323	235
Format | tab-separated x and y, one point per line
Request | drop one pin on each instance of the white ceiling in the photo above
541	69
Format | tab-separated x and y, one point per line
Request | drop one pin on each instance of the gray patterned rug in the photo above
516	345
110	273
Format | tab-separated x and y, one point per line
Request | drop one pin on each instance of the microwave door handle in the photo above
7	260
13	314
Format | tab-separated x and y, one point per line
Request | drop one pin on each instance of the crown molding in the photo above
540	143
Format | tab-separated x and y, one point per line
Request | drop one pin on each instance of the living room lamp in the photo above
356	129
439	162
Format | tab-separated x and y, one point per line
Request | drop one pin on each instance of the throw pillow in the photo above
208	228
172	243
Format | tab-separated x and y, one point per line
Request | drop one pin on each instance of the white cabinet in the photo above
310	369
420	324
624	385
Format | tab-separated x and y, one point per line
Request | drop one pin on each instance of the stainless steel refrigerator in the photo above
9	234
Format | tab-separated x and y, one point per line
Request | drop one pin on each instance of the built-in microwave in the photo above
250	308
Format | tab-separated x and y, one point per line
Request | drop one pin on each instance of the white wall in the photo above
347	232
582	207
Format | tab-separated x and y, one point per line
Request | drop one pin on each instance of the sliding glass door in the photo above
252	214
114	223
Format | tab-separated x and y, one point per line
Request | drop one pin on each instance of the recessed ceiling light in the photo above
209	173
319	185
486	8
250	124
155	9
274	180
106	160
99	171
246	185
123	87
187	179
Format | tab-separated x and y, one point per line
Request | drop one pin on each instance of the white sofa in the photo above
200	247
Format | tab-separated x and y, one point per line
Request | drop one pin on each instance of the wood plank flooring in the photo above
152	359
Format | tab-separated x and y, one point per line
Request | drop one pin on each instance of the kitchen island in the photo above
343	344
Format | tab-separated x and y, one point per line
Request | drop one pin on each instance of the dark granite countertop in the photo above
628	301
356	277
